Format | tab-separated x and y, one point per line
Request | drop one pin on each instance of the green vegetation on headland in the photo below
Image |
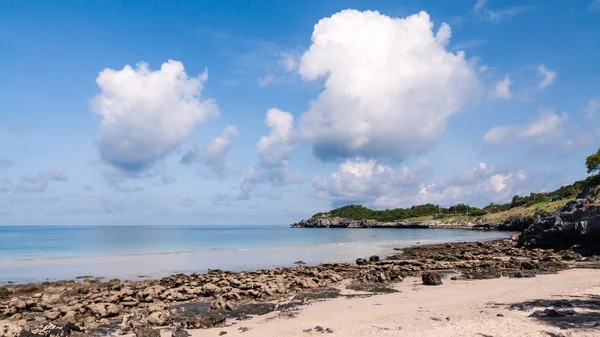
533	204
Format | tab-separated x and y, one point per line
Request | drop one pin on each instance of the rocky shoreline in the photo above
428	224
95	307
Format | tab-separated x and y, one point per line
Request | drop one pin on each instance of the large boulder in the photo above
104	310
431	279
575	226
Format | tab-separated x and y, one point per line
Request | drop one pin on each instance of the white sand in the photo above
471	307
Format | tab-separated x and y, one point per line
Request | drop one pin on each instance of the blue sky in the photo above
265	112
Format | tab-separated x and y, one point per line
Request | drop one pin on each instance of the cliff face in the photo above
576	226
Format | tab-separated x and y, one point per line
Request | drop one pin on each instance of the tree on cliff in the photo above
593	162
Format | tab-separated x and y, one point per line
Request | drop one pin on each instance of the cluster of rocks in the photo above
576	226
133	305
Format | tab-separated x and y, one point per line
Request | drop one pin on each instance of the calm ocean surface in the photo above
34	254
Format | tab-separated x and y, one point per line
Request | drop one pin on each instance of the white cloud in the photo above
214	155
266	80
289	61
276	147
503	88
273	151
544	128
58	173
497	16
146	113
594	5
548	76
390	85
381	186
478	186
479	5
592	109
366	181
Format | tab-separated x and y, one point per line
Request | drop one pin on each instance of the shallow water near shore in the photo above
42	253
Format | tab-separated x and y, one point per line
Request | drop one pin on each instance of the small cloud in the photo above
57	173
468	44
87	188
503	88
497	16
544	128
479	5
592	109
266	80
594	5
214	154
548	76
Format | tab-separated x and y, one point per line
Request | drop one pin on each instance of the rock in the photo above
431	279
147	332
159	318
245	329
51	315
575	226
104	310
210	289
516	223
221	305
179	332
4	293
222	333
499	315
553	313
207	321
523	273
361	262
374	258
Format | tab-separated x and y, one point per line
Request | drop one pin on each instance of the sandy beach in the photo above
456	308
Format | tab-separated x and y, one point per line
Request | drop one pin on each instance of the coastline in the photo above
99	307
130	266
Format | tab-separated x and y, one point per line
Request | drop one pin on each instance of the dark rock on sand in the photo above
374	258
553	313
361	262
180	333
147	332
431	279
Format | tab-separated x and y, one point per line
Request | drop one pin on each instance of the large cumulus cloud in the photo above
147	113
390	85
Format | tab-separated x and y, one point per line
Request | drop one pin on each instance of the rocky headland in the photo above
337	222
94	307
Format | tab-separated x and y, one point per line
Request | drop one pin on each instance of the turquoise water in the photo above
33	254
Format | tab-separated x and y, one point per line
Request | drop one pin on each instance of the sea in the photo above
48	253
